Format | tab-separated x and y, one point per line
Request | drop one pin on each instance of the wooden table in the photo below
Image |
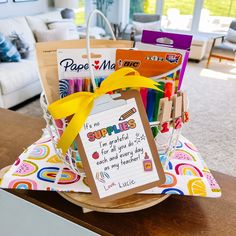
177	215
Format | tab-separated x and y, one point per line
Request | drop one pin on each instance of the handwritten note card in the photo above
118	151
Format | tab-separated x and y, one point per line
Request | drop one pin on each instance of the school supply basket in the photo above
166	142
129	168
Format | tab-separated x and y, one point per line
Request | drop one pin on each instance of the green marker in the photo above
159	95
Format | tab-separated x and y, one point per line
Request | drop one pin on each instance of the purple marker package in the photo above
169	41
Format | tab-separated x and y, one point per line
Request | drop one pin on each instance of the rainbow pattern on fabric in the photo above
68	177
170	180
39	152
179	144
48	174
180	154
172	191
197	187
26	168
169	166
23	184
191	146
187	169
212	182
54	159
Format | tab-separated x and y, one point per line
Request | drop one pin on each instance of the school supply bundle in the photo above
92	120
91	71
99	126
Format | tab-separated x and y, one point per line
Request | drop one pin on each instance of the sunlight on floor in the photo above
208	73
233	71
221	71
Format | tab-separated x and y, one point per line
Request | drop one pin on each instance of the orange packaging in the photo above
160	66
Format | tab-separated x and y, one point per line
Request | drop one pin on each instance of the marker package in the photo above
163	67
168	42
159	66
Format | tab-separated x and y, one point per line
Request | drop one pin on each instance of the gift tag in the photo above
117	148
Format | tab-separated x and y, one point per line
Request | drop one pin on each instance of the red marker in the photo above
144	92
168	90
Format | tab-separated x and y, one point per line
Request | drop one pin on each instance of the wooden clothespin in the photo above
185	114
165	114
177	111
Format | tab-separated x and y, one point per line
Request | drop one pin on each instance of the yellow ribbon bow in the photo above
80	104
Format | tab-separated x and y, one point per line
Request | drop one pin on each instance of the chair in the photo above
142	21
227	47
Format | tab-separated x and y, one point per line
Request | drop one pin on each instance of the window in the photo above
80	13
149	6
216	16
178	15
142	6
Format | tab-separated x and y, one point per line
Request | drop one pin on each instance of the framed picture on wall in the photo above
3	1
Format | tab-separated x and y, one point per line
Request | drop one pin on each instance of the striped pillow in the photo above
8	52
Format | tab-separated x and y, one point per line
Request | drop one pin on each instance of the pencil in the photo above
127	114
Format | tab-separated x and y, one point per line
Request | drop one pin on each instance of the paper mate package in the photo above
47	60
74	72
162	41
73	63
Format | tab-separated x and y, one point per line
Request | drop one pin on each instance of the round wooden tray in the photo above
131	203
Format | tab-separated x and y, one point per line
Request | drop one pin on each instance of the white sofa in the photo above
19	81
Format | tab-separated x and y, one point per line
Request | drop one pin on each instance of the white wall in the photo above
11	9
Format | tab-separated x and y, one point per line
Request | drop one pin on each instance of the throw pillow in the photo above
231	36
8	52
52	35
139	26
65	24
22	47
36	23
